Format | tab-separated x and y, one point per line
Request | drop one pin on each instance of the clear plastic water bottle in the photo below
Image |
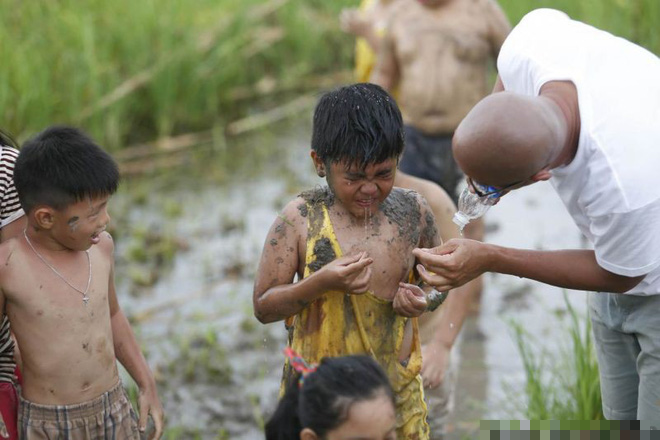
470	207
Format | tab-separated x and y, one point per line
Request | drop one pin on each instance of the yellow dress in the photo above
365	57
339	324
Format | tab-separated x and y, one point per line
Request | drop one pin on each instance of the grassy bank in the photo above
132	71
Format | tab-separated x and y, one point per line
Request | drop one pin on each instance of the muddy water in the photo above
218	368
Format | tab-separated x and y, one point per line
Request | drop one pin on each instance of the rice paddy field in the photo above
206	104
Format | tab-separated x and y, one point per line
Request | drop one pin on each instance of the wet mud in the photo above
323	254
401	207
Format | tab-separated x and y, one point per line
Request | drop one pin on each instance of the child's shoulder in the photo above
106	245
404	206
312	200
405	197
8	249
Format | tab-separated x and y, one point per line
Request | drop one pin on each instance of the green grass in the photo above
131	71
565	387
635	20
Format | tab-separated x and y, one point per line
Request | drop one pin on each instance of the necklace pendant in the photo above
85	300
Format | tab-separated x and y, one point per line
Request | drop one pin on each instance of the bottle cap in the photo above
460	219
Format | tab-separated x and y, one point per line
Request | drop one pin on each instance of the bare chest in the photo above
387	242
455	32
44	298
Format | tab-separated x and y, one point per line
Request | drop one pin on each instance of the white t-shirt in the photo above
612	187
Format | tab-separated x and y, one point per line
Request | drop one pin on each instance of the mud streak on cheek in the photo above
73	223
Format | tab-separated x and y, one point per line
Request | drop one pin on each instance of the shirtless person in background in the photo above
436	54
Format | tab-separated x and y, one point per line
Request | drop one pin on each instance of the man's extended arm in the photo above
460	261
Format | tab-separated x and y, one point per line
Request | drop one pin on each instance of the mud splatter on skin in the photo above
319	195
303	209
430	231
315	199
402	208
73	223
323	254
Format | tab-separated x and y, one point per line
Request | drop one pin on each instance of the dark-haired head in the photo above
359	123
61	166
323	401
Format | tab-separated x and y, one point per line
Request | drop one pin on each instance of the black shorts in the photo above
430	157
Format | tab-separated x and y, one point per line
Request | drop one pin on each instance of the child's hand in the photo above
409	300
150	404
353	21
350	274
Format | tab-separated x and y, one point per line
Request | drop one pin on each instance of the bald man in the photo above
581	108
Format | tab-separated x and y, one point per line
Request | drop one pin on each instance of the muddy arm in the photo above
276	296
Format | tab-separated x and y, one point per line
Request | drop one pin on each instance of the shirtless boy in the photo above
350	245
437	53
57	288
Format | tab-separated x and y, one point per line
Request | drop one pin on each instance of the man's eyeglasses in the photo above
488	191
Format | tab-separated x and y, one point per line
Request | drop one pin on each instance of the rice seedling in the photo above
565	387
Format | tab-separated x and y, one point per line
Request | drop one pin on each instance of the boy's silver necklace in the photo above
85	298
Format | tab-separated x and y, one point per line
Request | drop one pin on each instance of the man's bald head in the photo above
507	138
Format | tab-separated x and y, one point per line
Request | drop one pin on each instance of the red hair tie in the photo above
299	364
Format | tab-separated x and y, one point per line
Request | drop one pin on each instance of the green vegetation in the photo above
132	71
635	20
567	388
135	71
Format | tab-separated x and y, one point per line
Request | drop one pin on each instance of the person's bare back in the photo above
438	56
68	355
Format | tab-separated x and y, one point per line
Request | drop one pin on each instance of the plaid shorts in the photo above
109	416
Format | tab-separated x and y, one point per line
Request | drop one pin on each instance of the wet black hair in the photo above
323	400
60	166
359	123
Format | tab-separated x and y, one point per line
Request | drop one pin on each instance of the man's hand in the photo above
350	274
435	360
409	300
150	404
452	264
354	21
3	428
